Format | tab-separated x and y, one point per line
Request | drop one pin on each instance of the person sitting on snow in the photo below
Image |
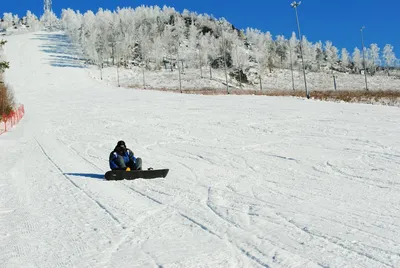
121	158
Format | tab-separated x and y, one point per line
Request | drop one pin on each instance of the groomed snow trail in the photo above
253	182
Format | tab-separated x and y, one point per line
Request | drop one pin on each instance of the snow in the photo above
254	181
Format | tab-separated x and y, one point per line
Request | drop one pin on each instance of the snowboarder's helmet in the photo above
121	144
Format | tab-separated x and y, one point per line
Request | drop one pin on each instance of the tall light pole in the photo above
363	47
295	5
47	5
47	8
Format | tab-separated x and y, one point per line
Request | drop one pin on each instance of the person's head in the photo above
121	144
120	148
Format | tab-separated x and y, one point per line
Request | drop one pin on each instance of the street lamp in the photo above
295	5
365	69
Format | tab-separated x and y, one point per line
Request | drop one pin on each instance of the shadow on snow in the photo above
87	175
62	52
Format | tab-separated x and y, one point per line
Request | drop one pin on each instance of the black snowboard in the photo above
135	174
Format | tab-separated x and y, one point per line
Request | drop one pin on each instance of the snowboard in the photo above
135	174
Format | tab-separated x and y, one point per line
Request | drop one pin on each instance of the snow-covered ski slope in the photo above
253	182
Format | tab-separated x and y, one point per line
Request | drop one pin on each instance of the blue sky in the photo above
338	21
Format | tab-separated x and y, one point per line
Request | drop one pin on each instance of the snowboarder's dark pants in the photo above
133	166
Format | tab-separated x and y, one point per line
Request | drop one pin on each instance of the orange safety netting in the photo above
11	119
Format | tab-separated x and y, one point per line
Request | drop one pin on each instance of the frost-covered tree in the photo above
49	20
7	20
89	36
146	44
212	51
329	57
389	57
32	21
293	45
309	53
319	54
239	54
106	34
16	19
203	48
145	47
345	58
335	54
269	51
71	23
168	42
357	60
147	36
158	52
253	36
260	45
281	51
178	35
373	59
193	54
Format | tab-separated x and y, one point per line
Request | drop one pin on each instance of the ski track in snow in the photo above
253	181
77	186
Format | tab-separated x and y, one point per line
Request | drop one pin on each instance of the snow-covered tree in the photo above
178	30
16	19
32	21
357	60
345	58
269	52
71	23
329	57
158	52
253	36
293	44
106	34
213	53
89	36
193	53
260	45
145	36
373	59
309	52
293	56
239	55
49	20
389	56
7	20
281	50
168	42
319	54
335	54
203	49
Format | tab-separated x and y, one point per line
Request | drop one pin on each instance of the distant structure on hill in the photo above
47	6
